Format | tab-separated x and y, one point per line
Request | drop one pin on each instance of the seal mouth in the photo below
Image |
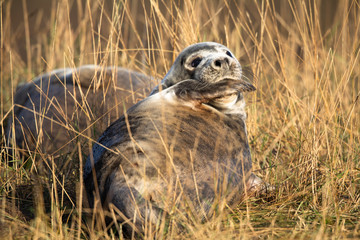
240	84
229	78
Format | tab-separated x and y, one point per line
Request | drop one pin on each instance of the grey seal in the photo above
183	147
56	108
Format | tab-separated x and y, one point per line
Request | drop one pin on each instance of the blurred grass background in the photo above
303	120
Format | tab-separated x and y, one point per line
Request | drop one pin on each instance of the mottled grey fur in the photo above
184	147
56	108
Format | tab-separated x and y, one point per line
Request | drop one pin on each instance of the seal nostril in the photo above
218	63
227	61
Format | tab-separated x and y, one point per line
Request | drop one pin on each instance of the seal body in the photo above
58	108
184	147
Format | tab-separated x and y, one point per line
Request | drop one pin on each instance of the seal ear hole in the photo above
194	63
229	54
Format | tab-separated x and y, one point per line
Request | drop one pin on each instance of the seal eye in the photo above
195	62
229	54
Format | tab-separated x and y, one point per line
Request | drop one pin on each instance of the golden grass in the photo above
303	120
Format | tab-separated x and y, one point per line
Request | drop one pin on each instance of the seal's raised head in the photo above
207	62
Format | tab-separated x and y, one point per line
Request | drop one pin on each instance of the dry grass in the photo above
303	120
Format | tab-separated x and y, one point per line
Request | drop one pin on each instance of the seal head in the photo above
207	62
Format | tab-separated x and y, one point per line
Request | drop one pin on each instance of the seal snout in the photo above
223	63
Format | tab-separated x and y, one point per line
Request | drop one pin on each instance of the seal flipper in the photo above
203	92
256	186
